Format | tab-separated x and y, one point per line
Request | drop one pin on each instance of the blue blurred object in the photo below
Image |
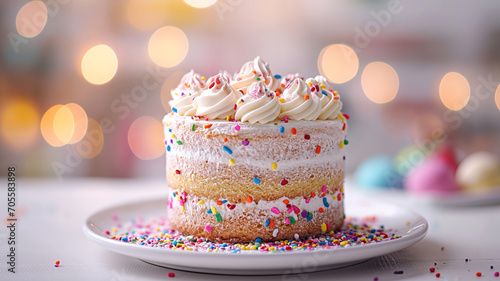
378	172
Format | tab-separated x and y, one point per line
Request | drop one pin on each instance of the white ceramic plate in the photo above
468	199
408	224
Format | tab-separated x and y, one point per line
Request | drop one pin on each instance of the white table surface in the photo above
51	214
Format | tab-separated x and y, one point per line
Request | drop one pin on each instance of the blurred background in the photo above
84	84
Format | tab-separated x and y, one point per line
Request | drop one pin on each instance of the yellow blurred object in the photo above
338	63
200	3
19	123
64	124
380	82
47	126
99	64
497	97
168	46
80	122
454	91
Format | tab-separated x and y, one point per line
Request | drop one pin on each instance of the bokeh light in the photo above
380	82
99	64
497	97
145	138
170	83
31	19
200	3
92	142
19	124
47	126
64	124
168	46
146	15
454	91
80	122
338	63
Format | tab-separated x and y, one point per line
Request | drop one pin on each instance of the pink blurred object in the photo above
447	154
436	175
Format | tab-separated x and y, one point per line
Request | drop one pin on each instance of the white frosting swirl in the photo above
190	86
259	104
289	78
217	102
251	72
299	102
323	83
330	100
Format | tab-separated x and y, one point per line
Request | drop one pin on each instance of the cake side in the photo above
210	158
249	197
255	155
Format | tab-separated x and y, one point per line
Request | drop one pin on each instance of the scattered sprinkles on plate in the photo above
157	233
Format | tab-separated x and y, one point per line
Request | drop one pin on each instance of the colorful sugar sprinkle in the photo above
227	149
157	232
231	161
478	274
496	274
274	166
284	182
438	275
249	199
256	180
318	149
325	202
245	142
237	127
275	210
282	129
171	274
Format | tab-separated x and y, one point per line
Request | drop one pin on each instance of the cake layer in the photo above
214	182
215	159
219	220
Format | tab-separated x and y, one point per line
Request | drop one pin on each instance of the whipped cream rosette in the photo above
287	79
299	103
330	100
191	86
217	102
253	71
258	105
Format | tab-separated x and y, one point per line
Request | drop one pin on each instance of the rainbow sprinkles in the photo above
157	233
